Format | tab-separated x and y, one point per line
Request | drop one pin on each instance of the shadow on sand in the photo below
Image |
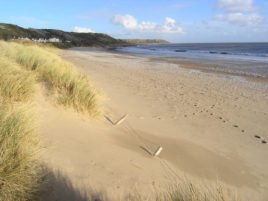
58	187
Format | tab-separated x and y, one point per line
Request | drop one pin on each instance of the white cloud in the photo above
131	23
83	30
127	21
170	21
147	26
239	12
241	18
170	26
236	5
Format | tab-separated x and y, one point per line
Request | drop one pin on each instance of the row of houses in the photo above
39	40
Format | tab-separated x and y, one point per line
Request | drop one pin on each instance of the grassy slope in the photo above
21	68
16	84
19	170
73	89
145	41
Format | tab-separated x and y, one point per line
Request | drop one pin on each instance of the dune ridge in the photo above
22	68
208	136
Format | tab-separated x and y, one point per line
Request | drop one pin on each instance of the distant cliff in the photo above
145	41
57	37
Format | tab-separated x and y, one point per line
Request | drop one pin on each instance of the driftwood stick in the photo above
118	121
158	151
121	120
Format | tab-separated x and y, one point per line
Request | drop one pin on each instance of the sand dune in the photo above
206	123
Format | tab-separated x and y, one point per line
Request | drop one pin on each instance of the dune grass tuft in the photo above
16	84
21	67
73	88
187	190
18	146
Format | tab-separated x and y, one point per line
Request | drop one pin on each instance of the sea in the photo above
250	59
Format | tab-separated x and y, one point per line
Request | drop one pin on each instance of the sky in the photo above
181	21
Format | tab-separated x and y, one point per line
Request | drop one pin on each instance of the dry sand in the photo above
205	123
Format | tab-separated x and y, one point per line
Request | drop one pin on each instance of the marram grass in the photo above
73	88
187	190
21	67
16	84
19	170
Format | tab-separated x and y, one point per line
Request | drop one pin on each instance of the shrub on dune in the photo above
21	66
73	88
187	190
19	170
16	84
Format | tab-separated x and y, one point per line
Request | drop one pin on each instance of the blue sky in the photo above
174	20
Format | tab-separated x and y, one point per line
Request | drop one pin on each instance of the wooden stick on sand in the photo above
118	121
121	120
158	151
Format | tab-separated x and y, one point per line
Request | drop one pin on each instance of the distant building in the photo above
25	39
54	40
39	40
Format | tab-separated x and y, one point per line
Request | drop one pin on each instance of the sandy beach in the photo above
212	127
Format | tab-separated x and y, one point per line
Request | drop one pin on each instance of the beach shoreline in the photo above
206	123
194	64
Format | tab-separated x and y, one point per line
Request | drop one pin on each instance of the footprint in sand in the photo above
242	130
211	114
262	140
157	117
219	117
185	115
236	126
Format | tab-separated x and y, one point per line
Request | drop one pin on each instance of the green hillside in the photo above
67	39
145	41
